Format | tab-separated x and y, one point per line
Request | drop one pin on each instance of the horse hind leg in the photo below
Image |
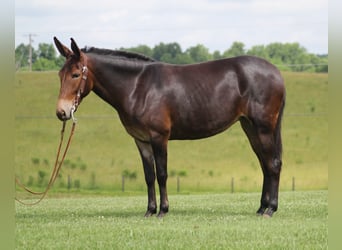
255	143
272	145
271	158
266	143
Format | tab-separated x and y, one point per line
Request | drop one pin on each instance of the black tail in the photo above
277	132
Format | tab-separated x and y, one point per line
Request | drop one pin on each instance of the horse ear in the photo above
75	49
62	49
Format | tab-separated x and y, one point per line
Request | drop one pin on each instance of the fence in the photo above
76	185
124	183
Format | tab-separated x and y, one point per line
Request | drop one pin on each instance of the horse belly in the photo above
207	112
202	124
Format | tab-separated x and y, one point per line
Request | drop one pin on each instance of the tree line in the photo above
286	56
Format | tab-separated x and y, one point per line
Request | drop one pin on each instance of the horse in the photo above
157	102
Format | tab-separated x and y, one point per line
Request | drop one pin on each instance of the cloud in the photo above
215	23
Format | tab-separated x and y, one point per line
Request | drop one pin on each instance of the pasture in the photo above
86	208
101	151
207	221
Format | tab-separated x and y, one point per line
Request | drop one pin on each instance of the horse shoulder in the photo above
144	110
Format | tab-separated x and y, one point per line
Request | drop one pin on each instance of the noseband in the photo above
80	90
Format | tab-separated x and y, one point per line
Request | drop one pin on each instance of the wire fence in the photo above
123	183
112	117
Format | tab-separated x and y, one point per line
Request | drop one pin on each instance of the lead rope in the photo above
57	167
58	164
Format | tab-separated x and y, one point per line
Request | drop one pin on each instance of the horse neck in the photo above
114	79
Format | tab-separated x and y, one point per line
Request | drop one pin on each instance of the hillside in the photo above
102	151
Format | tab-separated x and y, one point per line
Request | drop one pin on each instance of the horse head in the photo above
75	83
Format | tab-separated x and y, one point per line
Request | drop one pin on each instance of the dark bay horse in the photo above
157	102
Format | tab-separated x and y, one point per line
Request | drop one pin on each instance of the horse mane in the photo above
122	54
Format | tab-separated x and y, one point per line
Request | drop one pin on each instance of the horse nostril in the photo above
61	115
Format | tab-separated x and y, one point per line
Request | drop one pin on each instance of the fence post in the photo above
232	185
69	182
123	184
293	183
178	184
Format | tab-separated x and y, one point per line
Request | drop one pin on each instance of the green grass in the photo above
101	150
207	221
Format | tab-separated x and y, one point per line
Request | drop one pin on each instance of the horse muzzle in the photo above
65	110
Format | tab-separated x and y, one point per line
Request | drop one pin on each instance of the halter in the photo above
80	90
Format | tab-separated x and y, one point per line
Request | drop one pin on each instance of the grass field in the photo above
207	221
101	149
95	214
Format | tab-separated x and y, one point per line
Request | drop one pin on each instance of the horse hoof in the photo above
261	211
269	212
149	214
161	214
266	216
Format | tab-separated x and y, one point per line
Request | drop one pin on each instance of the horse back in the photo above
199	100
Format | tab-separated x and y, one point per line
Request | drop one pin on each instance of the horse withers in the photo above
158	102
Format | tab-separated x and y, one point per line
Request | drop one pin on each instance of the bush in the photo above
128	174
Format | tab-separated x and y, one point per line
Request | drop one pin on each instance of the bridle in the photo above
80	89
58	164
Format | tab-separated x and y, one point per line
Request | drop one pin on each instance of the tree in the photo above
258	50
237	49
286	56
59	61
142	49
322	63
46	51
275	51
217	55
199	53
294	53
291	55
174	49
183	59
166	52
44	64
47	59
22	55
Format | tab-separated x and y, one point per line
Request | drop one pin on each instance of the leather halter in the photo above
80	91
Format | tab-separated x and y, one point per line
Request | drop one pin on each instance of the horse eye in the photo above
75	75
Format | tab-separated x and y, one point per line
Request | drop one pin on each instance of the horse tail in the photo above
277	132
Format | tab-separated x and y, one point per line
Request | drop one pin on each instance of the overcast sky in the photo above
214	23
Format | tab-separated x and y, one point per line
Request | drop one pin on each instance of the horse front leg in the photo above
159	146
147	158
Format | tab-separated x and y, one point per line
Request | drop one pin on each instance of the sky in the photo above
216	24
